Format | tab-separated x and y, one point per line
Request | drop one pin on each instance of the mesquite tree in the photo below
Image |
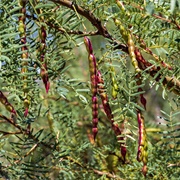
89	89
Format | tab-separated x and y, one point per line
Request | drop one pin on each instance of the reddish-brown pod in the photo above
6	103
142	154
107	109
44	69
93	77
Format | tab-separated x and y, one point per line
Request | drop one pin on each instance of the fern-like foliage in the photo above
136	45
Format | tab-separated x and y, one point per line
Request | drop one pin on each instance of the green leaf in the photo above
4	58
150	8
46	5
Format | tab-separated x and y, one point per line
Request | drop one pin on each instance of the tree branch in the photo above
24	131
104	32
87	14
157	16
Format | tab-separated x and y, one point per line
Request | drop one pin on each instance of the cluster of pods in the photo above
24	61
134	55
98	88
24	56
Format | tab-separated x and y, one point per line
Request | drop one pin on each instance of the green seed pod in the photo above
21	27
22	2
144	170
121	6
114	93
42	49
22	30
122	29
131	49
142	154
5	102
107	109
145	160
115	88
93	77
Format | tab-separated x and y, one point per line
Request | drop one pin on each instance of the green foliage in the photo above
54	140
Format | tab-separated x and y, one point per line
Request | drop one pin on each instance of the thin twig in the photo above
157	16
24	131
101	30
87	14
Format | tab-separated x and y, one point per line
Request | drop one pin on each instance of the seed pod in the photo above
131	49
50	121
107	109
121	6
5	102
148	50
122	29
144	64
142	154
44	72
93	77
115	88
144	170
139	82
24	56
26	105
95	116
88	45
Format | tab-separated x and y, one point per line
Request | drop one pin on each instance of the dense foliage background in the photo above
49	135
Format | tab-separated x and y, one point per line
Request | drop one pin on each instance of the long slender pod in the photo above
142	154
93	76
44	73
137	60
115	88
126	34
24	56
131	49
5	102
107	109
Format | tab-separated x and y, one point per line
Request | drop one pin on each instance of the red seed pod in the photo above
123	152
5	102
93	77
142	154
143	45
88	44
107	109
44	69
45	78
95	115
95	131
144	170
143	100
